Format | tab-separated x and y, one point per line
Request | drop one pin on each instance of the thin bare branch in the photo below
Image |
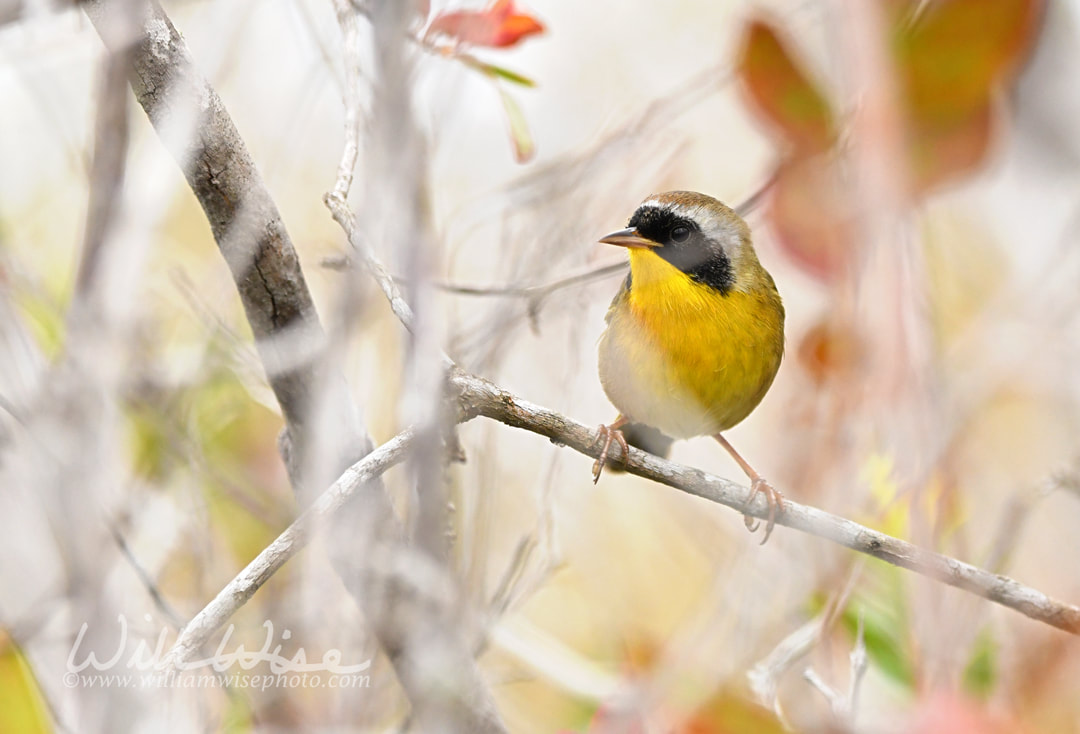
536	291
764	678
348	17
310	388
145	579
339	209
521	291
285	546
243	217
342	262
843	707
107	168
336	200
481	397
860	661
835	700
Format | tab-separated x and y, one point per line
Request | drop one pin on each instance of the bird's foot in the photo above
607	434
773	498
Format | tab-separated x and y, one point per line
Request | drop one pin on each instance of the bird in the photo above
695	335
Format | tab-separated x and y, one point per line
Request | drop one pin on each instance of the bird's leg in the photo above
607	434
758	483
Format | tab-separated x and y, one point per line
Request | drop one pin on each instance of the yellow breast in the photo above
686	358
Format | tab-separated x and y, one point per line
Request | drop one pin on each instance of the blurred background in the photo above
919	171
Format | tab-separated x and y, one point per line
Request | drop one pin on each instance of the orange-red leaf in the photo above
953	60
830	350
958	53
498	25
781	89
937	155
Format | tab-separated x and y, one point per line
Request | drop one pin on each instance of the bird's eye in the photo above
680	234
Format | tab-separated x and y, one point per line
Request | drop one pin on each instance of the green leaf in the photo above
497	72
524	147
238	717
884	632
148	439
44	319
980	675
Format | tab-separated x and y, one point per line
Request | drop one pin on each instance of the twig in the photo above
339	209
481	397
835	700
147	581
336	199
285	546
243	217
860	661
253	240
106	169
341	262
764	677
1015	516
348	18
752	202
159	599
551	659
311	390
534	291
477	396
843	708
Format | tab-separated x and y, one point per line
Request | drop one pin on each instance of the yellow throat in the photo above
685	357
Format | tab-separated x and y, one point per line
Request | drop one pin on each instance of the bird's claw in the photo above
607	434
773	499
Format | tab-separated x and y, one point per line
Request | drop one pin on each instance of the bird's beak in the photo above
628	237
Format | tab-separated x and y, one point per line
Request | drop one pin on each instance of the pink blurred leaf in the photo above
830	349
946	713
810	211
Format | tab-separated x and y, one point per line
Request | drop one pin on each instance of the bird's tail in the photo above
646	438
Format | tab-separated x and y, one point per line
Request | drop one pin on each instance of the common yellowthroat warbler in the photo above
696	333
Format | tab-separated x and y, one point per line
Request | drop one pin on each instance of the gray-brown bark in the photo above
413	623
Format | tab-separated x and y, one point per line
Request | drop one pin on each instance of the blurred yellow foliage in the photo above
22	708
